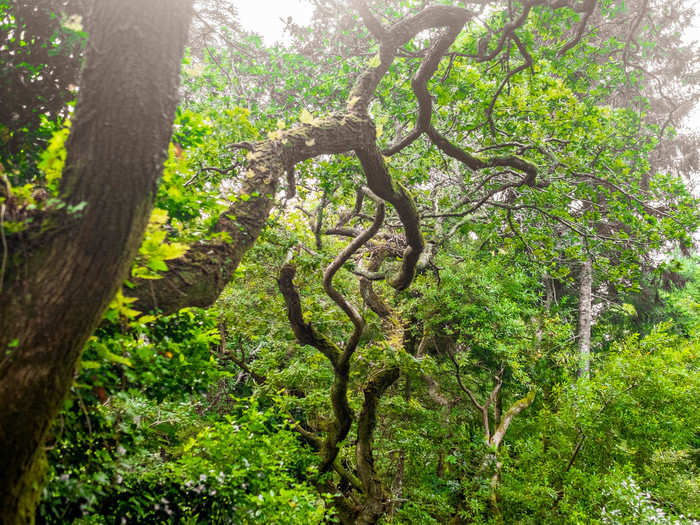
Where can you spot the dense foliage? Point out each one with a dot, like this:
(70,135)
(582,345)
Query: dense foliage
(335,381)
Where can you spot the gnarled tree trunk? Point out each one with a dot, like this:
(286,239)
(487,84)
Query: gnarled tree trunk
(61,276)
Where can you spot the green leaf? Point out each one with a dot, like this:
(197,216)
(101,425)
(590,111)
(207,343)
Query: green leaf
(305,117)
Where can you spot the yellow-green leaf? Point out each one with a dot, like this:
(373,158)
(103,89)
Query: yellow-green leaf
(305,117)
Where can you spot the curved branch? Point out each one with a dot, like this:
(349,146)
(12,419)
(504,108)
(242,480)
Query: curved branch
(589,7)
(398,35)
(340,359)
(305,333)
(374,26)
(197,278)
(332,269)
(381,183)
(370,297)
(477,163)
(506,34)
(419,82)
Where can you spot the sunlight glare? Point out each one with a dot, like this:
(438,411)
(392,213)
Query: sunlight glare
(265,17)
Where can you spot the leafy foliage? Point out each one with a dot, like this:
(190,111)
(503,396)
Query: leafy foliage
(227,414)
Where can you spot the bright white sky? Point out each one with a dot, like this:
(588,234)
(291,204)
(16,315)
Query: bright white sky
(263,16)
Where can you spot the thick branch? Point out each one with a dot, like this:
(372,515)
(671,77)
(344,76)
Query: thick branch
(381,183)
(424,73)
(305,333)
(198,278)
(390,40)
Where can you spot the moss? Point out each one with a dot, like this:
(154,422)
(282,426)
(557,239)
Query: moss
(408,195)
(22,511)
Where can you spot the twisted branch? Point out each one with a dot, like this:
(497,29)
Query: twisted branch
(339,358)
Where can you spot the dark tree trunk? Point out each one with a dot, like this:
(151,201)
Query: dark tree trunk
(375,501)
(61,277)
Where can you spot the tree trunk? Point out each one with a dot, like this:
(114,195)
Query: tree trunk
(61,276)
(585,317)
(495,442)
(375,503)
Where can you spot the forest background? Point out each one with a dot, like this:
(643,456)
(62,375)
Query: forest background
(428,262)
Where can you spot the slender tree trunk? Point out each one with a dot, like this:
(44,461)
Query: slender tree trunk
(494,443)
(397,486)
(61,276)
(585,317)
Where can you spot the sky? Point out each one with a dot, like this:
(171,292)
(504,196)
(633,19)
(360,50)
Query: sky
(263,16)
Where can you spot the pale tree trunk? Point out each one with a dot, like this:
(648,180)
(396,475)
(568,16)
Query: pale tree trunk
(585,317)
(61,276)
(495,440)
(501,422)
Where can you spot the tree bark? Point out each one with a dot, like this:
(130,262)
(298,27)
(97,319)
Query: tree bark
(375,500)
(60,277)
(585,317)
